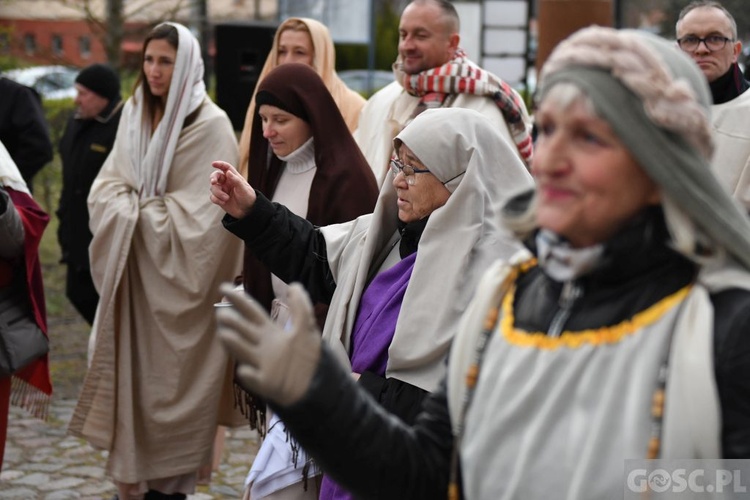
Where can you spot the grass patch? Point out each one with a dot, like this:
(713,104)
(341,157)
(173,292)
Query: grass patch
(68,331)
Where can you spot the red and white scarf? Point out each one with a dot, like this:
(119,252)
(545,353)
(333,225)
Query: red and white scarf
(462,76)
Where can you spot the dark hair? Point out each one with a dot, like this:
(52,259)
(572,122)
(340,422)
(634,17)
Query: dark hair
(452,21)
(161,32)
(697,4)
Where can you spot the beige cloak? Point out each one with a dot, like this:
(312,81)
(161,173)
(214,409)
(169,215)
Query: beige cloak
(152,391)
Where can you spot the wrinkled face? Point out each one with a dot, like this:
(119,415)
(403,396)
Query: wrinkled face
(705,21)
(424,38)
(158,66)
(284,131)
(295,47)
(89,104)
(588,184)
(417,201)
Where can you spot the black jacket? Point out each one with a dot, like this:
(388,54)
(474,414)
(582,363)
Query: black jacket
(23,128)
(83,148)
(294,250)
(376,456)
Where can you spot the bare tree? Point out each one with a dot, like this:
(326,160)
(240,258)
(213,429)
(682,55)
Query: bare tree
(112,21)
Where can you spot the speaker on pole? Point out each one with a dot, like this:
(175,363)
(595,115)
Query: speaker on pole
(241,51)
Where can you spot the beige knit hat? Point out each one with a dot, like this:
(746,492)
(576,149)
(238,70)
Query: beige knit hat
(658,103)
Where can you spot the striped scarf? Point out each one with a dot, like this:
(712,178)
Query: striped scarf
(462,76)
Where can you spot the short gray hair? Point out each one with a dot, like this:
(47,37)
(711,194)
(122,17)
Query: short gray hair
(452,21)
(713,4)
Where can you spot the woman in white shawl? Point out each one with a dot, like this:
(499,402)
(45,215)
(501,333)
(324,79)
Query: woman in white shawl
(151,394)
(398,279)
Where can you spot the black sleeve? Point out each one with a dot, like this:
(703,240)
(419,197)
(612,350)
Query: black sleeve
(63,231)
(62,235)
(33,147)
(732,366)
(335,423)
(398,397)
(288,245)
(4,200)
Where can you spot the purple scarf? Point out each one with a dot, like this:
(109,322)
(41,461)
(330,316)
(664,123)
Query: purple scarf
(373,331)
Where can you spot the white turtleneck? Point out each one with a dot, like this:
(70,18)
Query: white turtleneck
(293,190)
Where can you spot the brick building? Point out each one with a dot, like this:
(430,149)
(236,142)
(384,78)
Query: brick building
(50,32)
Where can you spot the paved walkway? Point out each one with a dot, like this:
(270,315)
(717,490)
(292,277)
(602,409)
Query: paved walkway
(42,462)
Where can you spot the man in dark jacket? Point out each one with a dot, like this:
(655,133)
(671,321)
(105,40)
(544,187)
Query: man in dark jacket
(87,141)
(23,128)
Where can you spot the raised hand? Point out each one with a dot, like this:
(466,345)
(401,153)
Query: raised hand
(274,363)
(230,190)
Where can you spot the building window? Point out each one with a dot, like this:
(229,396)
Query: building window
(29,43)
(84,47)
(57,45)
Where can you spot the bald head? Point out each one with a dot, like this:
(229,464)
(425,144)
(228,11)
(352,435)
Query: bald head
(428,35)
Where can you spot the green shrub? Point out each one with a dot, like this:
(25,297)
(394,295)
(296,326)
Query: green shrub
(47,186)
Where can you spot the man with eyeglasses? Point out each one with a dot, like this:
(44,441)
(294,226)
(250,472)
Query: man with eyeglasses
(708,33)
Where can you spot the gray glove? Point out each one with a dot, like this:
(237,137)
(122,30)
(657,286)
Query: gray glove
(273,363)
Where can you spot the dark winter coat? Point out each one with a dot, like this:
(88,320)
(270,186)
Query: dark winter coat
(83,149)
(23,128)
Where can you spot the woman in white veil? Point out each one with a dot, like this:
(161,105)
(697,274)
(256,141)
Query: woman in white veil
(151,395)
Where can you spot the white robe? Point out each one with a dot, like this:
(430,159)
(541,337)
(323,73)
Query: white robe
(151,395)
(731,162)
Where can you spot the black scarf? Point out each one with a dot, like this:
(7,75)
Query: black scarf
(728,86)
(410,235)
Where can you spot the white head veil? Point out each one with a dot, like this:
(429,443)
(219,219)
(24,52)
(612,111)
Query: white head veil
(459,242)
(9,174)
(152,153)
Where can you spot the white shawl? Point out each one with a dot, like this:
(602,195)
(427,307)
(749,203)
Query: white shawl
(153,151)
(460,240)
(9,174)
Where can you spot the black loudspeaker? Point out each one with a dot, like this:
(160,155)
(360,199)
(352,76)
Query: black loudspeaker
(241,51)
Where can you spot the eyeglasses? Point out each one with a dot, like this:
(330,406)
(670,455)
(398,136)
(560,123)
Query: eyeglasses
(713,43)
(409,171)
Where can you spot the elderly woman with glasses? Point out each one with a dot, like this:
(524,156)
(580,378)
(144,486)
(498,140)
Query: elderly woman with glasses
(398,279)
(621,332)
(303,156)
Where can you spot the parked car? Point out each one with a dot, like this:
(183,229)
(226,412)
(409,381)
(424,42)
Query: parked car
(52,82)
(356,79)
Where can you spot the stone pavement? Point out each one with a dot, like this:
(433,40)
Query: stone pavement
(42,462)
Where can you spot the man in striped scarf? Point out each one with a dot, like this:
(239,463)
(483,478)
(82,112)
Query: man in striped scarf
(432,71)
